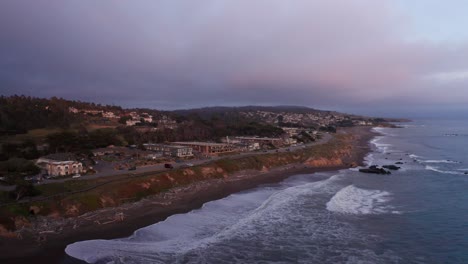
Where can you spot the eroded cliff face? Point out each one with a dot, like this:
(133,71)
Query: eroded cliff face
(323,162)
(331,154)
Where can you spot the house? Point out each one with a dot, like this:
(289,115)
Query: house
(170,150)
(60,164)
(109,115)
(132,122)
(73,110)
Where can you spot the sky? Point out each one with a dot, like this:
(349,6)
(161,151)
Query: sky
(386,57)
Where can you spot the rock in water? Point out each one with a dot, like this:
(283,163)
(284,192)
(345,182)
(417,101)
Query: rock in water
(375,170)
(391,167)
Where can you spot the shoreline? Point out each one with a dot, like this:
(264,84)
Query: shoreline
(181,200)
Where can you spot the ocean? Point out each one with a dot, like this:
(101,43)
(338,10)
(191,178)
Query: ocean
(418,214)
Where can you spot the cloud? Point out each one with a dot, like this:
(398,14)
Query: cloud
(192,53)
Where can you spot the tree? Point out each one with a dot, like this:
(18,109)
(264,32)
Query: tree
(123,119)
(23,189)
(17,168)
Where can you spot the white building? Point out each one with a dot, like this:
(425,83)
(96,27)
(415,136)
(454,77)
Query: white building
(132,122)
(60,165)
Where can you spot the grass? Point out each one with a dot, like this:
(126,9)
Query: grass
(68,186)
(37,135)
(89,201)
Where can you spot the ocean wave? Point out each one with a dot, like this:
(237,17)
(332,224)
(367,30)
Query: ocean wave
(383,131)
(441,161)
(414,156)
(353,200)
(436,169)
(369,159)
(381,147)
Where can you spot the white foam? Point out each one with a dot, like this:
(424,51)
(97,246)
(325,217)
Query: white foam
(383,131)
(414,156)
(382,147)
(353,200)
(441,161)
(369,159)
(436,169)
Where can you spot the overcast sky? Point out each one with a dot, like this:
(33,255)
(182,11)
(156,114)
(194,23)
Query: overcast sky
(366,56)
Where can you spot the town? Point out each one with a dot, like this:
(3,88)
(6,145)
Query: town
(77,140)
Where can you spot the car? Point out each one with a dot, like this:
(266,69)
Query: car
(76,176)
(168,166)
(132,168)
(189,164)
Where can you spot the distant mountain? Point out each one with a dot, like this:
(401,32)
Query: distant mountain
(209,112)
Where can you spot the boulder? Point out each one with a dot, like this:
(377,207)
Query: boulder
(375,170)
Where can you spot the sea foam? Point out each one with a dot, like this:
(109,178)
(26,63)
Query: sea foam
(382,147)
(353,200)
(436,169)
(239,216)
(441,161)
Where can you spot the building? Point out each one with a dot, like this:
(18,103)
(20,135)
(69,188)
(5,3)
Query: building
(132,122)
(60,164)
(109,115)
(262,141)
(73,110)
(147,117)
(207,147)
(241,146)
(170,150)
(292,131)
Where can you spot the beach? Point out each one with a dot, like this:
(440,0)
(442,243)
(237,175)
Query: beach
(124,220)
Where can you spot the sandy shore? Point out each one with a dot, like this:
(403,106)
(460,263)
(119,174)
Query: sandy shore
(150,211)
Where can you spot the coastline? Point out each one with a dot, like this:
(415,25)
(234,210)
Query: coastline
(182,200)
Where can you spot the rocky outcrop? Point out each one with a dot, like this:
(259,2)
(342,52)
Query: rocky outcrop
(375,170)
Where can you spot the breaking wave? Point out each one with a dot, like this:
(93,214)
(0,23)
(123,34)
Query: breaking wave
(436,169)
(441,161)
(382,147)
(353,200)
